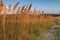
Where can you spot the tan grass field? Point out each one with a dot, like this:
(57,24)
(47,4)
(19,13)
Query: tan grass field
(23,24)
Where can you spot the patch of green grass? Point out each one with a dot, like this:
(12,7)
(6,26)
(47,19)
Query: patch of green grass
(58,33)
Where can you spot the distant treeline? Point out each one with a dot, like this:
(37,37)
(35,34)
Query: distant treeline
(55,15)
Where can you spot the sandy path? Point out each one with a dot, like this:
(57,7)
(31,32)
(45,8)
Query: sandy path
(50,35)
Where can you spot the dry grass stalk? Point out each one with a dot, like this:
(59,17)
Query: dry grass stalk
(18,11)
(29,8)
(16,5)
(9,7)
(22,9)
(26,8)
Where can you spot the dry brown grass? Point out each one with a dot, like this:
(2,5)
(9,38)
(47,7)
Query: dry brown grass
(21,18)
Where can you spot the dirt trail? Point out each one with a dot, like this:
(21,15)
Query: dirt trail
(50,35)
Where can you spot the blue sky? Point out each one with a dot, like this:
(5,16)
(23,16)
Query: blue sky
(50,6)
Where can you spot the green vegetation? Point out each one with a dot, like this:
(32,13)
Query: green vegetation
(57,33)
